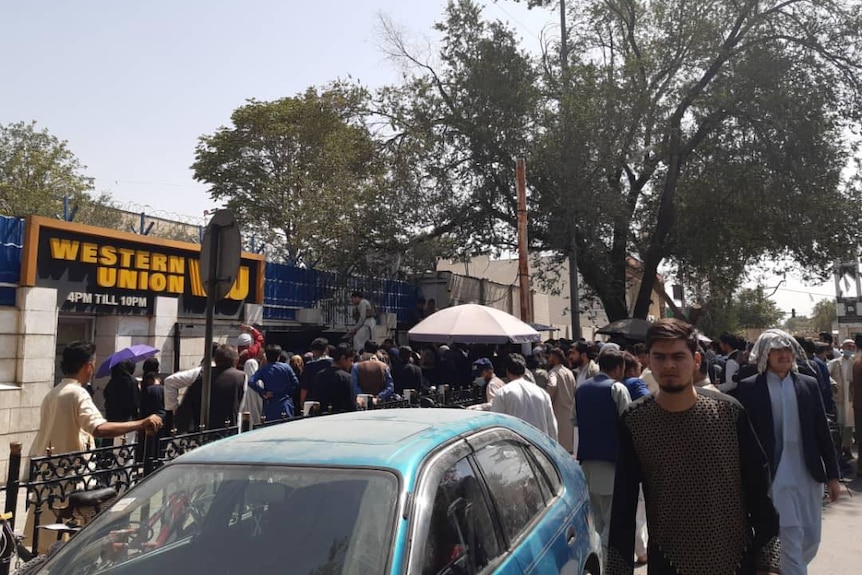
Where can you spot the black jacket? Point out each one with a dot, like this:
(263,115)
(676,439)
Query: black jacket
(122,397)
(819,451)
(334,390)
(153,401)
(226,389)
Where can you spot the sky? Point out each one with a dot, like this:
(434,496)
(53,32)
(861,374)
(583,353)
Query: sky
(132,85)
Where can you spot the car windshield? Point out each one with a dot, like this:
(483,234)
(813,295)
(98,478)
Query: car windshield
(221,519)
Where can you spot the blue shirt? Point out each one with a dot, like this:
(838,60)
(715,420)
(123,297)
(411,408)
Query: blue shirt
(637,387)
(280,380)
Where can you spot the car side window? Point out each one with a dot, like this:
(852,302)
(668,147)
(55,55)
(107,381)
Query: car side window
(513,485)
(461,535)
(549,469)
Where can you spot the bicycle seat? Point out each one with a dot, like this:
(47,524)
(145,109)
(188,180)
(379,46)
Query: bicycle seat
(93,498)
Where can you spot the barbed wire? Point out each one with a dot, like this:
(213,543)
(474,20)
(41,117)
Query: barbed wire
(162,214)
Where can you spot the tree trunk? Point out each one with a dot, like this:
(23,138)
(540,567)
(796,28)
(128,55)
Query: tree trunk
(604,278)
(664,224)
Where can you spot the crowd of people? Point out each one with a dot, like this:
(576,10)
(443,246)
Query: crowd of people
(766,424)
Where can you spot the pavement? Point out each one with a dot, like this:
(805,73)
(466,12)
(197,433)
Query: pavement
(841,543)
(840,550)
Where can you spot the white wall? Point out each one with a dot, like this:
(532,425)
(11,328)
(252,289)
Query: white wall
(27,348)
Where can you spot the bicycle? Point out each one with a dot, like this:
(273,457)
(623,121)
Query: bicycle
(11,545)
(67,515)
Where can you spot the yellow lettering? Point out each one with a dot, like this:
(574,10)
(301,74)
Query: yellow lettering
(89,252)
(176,284)
(239,291)
(106,277)
(159,263)
(126,257)
(142,260)
(176,265)
(142,280)
(108,256)
(158,282)
(64,249)
(127,279)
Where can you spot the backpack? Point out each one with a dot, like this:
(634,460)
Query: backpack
(371,311)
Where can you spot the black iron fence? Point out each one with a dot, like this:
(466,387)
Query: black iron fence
(55,482)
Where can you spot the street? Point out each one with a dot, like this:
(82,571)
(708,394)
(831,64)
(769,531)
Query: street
(841,545)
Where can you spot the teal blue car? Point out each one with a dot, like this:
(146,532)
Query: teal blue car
(417,491)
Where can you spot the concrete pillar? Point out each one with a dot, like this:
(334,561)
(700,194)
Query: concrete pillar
(161,329)
(29,333)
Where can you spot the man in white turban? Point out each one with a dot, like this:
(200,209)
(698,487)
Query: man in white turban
(787,413)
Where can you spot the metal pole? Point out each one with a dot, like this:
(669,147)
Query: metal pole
(523,264)
(13,479)
(574,292)
(564,42)
(208,336)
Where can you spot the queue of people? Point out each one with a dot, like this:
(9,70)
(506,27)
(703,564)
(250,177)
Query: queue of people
(650,424)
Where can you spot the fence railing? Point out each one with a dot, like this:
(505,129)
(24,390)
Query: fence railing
(53,479)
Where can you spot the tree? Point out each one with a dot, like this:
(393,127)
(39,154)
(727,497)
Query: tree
(38,173)
(454,132)
(824,315)
(708,135)
(299,173)
(755,310)
(799,325)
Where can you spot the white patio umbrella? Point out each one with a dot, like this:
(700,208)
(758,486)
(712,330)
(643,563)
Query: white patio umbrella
(472,323)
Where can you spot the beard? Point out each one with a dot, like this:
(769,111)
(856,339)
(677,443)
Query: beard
(674,387)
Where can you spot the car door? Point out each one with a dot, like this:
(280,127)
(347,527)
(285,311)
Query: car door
(453,526)
(536,522)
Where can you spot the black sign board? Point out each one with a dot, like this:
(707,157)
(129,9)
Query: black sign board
(849,310)
(104,271)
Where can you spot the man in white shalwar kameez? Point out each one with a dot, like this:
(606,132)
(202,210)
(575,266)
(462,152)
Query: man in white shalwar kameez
(787,413)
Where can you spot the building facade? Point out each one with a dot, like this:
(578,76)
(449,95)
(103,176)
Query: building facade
(61,281)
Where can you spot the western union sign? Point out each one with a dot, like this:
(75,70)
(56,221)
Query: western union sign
(99,269)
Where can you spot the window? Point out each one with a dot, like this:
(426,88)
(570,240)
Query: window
(512,484)
(196,518)
(549,469)
(461,536)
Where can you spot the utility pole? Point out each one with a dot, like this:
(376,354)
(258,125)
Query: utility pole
(574,293)
(523,263)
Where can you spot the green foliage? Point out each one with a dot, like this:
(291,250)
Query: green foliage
(38,170)
(456,129)
(747,308)
(800,325)
(824,315)
(100,211)
(710,135)
(755,310)
(299,173)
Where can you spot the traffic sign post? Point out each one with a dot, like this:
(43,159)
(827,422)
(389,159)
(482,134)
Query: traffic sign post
(221,251)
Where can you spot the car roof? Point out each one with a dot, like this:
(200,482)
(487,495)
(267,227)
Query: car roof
(397,439)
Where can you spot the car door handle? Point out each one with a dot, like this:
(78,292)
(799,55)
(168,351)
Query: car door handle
(571,535)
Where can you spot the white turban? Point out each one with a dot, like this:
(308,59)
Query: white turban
(770,340)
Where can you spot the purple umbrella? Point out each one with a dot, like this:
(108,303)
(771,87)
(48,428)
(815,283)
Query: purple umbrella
(133,353)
